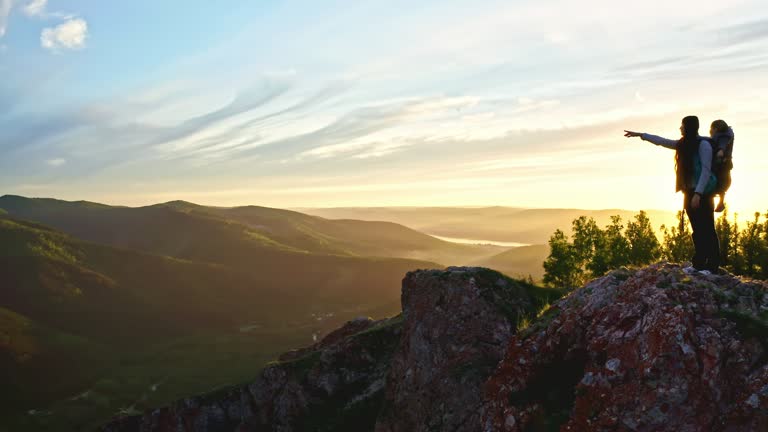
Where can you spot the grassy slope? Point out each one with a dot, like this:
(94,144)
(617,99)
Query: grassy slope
(56,278)
(149,319)
(28,349)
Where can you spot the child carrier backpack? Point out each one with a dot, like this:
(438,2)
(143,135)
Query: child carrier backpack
(722,167)
(713,185)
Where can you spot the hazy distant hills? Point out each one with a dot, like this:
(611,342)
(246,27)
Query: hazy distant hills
(303,269)
(504,224)
(235,235)
(496,224)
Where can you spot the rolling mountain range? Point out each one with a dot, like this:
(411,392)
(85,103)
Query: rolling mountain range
(114,297)
(216,234)
(100,305)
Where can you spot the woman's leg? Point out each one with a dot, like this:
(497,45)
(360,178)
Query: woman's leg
(699,259)
(711,242)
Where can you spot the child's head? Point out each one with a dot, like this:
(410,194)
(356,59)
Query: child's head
(718,126)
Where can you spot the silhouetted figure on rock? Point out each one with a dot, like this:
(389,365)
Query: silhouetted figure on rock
(693,164)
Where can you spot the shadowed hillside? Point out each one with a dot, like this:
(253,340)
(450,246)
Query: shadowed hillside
(133,329)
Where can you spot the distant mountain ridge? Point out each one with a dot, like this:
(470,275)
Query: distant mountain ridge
(180,229)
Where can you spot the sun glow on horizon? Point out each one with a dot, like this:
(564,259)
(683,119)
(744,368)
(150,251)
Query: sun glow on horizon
(515,104)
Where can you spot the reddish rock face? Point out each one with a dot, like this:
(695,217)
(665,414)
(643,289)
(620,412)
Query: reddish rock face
(653,349)
(456,326)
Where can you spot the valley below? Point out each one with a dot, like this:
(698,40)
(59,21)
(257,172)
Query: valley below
(108,310)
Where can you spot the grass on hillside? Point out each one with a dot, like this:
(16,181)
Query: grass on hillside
(130,382)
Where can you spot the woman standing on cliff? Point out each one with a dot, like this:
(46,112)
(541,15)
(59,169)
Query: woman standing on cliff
(693,164)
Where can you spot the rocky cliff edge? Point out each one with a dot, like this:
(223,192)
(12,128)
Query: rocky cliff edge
(635,350)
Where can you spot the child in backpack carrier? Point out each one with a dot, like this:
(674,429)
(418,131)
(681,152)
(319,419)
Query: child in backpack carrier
(722,146)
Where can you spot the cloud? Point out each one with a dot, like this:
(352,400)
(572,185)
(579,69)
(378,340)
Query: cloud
(651,64)
(38,9)
(340,135)
(69,35)
(744,32)
(56,162)
(5,10)
(183,143)
(35,8)
(83,132)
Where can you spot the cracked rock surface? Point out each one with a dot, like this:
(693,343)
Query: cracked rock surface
(653,349)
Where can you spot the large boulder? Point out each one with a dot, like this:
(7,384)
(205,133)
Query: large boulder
(457,323)
(647,350)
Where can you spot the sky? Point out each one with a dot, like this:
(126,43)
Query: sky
(375,103)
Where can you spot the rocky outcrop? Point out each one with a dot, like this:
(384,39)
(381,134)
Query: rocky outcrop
(651,349)
(421,370)
(654,349)
(456,325)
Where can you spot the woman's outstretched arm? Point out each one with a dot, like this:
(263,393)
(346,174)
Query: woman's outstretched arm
(659,141)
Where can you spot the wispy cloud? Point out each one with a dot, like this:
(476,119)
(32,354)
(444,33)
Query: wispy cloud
(66,37)
(69,35)
(56,162)
(35,8)
(743,33)
(654,63)
(343,134)
(514,88)
(244,132)
(5,10)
